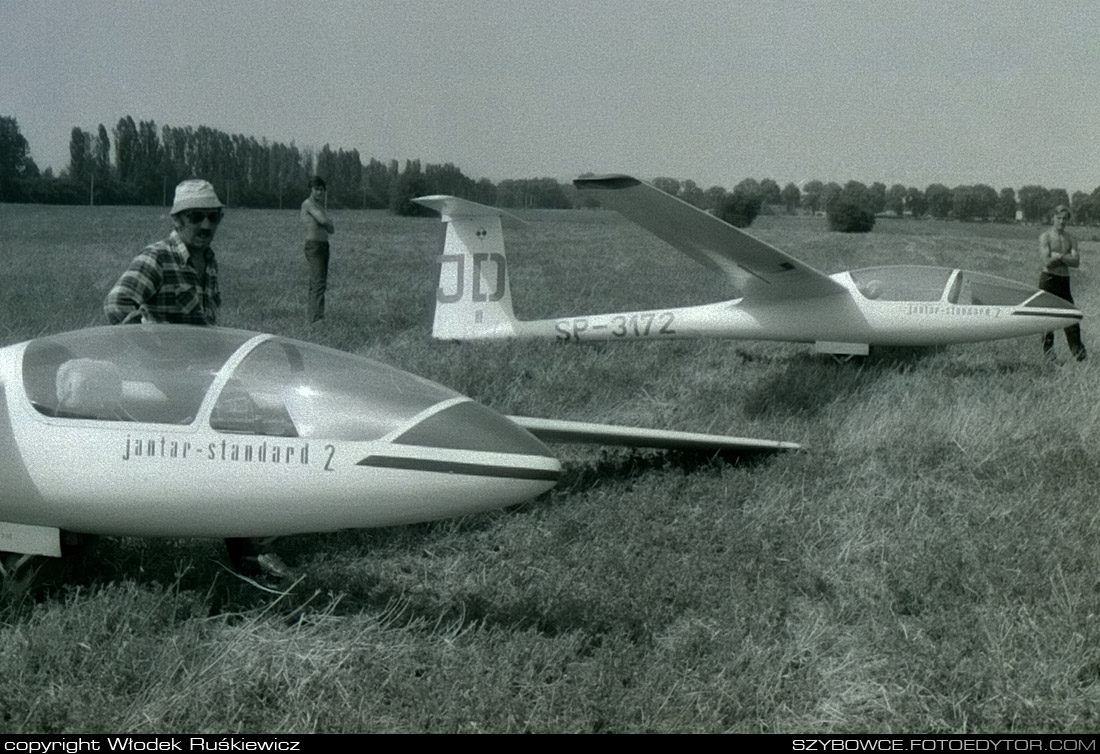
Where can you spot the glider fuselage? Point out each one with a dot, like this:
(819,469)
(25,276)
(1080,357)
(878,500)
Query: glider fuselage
(179,431)
(848,317)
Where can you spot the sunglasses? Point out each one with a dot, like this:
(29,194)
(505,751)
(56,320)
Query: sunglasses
(195,216)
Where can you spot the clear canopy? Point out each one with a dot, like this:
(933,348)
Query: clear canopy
(959,287)
(262,385)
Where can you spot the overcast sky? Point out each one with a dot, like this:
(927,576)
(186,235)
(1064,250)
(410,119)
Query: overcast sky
(897,91)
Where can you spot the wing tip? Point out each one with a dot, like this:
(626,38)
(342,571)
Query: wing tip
(612,181)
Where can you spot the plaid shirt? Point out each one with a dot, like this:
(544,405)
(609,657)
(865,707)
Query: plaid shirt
(162,286)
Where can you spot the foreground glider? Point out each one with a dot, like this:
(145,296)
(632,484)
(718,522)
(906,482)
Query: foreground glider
(782,298)
(178,431)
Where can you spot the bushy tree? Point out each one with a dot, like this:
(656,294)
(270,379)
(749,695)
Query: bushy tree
(545,193)
(895,199)
(1035,202)
(101,156)
(977,202)
(811,196)
(876,197)
(16,164)
(749,187)
(739,208)
(47,189)
(855,193)
(148,179)
(938,198)
(770,192)
(1006,206)
(1084,208)
(126,136)
(792,197)
(80,157)
(410,184)
(1057,196)
(376,179)
(448,179)
(485,191)
(713,197)
(916,202)
(1087,212)
(668,185)
(846,216)
(692,194)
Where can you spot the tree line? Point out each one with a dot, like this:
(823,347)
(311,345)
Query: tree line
(139,162)
(976,203)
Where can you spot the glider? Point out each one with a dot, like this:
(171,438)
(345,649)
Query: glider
(782,298)
(180,431)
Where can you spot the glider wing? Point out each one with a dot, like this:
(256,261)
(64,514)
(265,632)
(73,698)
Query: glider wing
(760,271)
(560,430)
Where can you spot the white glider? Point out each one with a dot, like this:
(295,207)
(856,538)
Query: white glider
(178,431)
(782,298)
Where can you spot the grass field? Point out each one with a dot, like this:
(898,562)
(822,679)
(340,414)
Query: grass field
(928,564)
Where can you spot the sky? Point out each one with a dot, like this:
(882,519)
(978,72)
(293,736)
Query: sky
(897,91)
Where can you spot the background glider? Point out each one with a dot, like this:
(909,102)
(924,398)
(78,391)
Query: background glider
(782,298)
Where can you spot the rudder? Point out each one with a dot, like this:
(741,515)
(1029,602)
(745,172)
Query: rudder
(474,299)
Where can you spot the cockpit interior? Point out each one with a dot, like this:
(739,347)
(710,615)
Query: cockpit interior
(237,382)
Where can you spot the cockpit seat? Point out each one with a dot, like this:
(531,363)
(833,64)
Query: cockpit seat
(89,388)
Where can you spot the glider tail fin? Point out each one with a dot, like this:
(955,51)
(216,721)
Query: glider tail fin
(474,298)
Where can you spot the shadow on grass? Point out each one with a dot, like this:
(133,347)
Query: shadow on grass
(807,383)
(331,582)
(627,465)
(453,612)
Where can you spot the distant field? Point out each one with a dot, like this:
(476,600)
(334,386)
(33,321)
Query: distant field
(928,564)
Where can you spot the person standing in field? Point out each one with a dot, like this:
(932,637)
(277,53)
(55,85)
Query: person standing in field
(175,281)
(318,227)
(1058,253)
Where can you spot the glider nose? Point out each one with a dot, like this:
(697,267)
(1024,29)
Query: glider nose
(464,458)
(468,439)
(470,426)
(1045,304)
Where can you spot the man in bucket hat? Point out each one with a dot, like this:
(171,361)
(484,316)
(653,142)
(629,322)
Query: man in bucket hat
(176,281)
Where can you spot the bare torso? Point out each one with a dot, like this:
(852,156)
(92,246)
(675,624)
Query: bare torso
(317,222)
(1058,251)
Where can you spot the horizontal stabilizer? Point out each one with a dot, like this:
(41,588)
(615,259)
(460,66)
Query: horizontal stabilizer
(759,270)
(452,208)
(559,430)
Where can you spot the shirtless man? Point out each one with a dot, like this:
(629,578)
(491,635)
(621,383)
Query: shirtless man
(1058,253)
(318,227)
